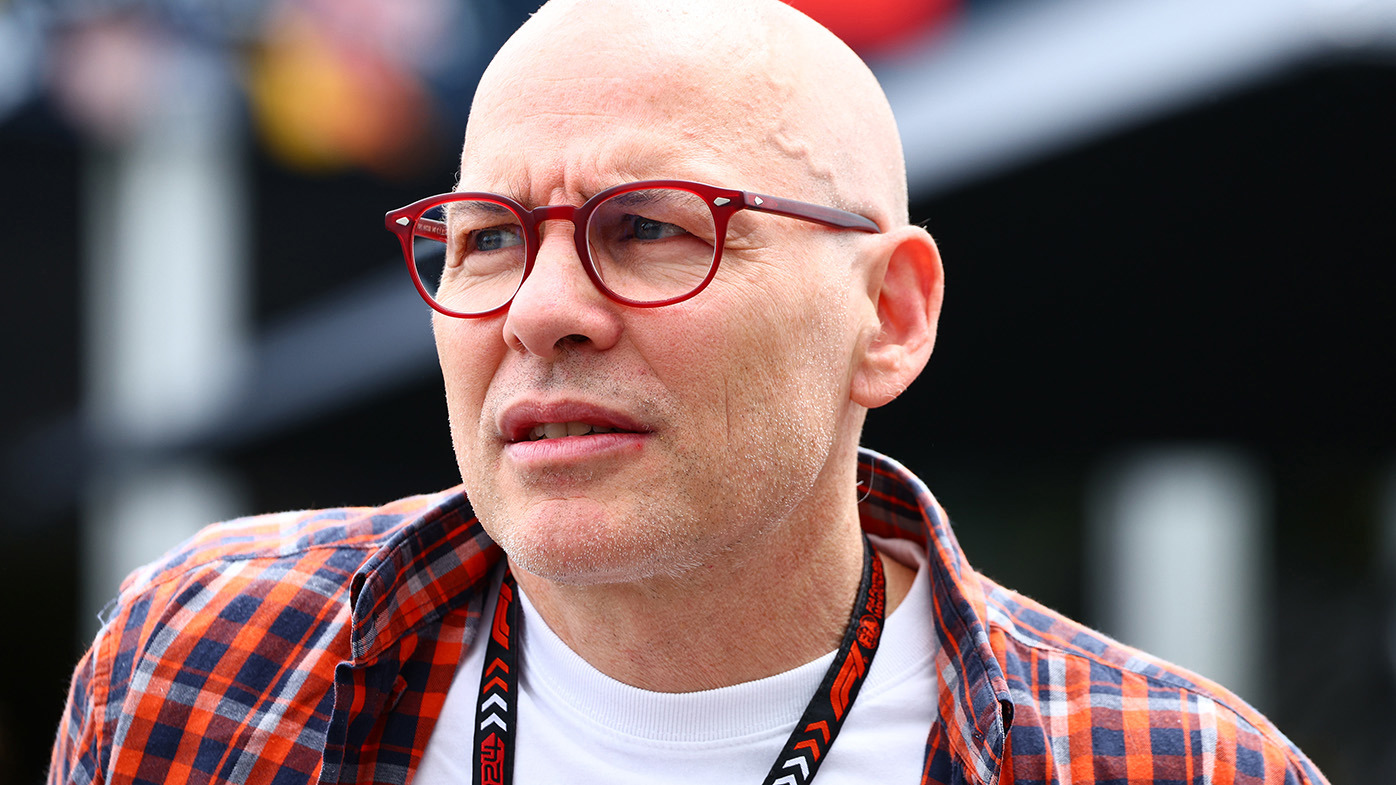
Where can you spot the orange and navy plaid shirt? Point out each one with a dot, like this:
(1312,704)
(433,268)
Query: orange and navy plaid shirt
(319,646)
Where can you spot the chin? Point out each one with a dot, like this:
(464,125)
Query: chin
(586,543)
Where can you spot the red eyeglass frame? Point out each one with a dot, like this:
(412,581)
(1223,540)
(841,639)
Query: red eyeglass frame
(407,222)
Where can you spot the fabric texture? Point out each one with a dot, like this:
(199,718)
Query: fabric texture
(320,646)
(575,724)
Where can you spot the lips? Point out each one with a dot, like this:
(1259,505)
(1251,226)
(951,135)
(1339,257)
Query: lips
(539,421)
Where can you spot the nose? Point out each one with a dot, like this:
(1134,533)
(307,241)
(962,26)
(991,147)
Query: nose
(557,307)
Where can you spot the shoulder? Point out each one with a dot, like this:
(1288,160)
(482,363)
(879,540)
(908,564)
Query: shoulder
(1085,704)
(250,616)
(288,569)
(336,535)
(285,577)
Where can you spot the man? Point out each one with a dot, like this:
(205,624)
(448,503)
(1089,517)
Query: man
(656,412)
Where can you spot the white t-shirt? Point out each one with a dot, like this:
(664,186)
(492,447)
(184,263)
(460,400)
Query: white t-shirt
(575,724)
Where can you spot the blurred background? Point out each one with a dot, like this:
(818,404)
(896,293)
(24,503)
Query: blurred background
(1161,401)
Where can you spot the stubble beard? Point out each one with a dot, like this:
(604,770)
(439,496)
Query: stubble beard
(696,513)
(692,516)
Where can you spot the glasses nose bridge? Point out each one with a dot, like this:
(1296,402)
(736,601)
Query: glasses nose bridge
(559,212)
(554,212)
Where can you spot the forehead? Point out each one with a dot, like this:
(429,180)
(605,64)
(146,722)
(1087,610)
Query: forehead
(536,160)
(613,114)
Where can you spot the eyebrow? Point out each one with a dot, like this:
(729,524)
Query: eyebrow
(475,210)
(647,196)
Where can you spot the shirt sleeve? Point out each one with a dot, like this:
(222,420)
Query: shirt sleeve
(77,750)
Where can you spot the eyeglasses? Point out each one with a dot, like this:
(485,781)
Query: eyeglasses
(644,244)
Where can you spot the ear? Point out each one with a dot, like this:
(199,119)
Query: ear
(905,285)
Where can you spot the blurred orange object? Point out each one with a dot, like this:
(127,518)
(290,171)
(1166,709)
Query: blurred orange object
(320,106)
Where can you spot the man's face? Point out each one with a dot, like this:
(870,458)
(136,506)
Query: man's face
(724,408)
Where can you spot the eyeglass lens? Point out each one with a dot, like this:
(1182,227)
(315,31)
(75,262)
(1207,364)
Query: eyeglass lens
(469,254)
(646,246)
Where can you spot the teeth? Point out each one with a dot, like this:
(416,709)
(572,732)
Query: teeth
(557,430)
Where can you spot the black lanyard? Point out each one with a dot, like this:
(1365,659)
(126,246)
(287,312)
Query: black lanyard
(496,716)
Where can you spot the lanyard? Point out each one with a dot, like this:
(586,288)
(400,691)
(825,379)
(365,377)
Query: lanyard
(496,716)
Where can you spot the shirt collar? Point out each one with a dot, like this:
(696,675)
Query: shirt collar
(434,563)
(975,709)
(441,559)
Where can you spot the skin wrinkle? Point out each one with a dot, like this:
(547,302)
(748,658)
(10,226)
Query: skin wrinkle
(727,407)
(743,496)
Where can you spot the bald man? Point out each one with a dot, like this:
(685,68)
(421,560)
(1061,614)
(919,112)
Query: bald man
(675,274)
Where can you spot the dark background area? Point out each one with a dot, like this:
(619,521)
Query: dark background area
(1222,275)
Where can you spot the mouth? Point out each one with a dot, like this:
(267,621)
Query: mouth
(536,422)
(561,430)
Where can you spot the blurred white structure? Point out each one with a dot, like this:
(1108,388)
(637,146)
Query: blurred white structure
(1387,526)
(1028,78)
(165,224)
(1178,554)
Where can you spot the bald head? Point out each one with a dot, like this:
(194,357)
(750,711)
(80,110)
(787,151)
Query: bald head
(752,86)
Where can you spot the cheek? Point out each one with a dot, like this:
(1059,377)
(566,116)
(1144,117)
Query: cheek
(772,361)
(793,327)
(468,351)
(798,363)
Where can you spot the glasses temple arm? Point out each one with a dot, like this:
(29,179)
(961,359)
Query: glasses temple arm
(804,211)
(426,227)
(418,227)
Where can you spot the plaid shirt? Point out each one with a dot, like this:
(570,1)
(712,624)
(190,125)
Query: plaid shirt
(320,645)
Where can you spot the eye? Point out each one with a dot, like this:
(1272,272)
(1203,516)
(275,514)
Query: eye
(642,228)
(495,238)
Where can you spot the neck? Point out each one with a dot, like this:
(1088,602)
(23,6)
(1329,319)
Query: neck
(764,609)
